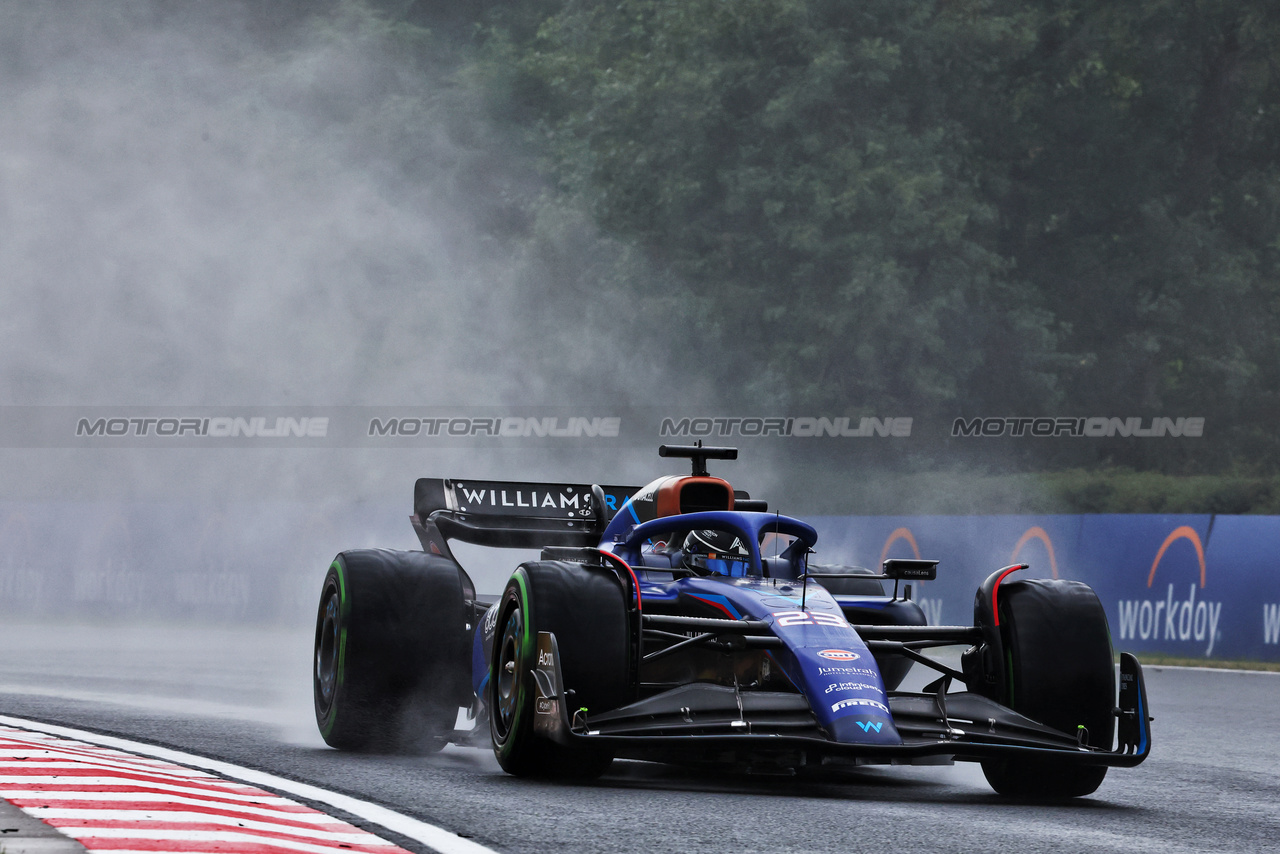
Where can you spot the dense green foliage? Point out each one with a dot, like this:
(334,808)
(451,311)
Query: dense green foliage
(928,207)
(978,207)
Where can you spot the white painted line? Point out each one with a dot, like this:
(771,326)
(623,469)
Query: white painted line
(14,766)
(72,761)
(80,782)
(1146,667)
(85,834)
(62,817)
(284,809)
(436,838)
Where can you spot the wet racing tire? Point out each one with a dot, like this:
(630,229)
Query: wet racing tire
(853,583)
(1060,671)
(390,651)
(586,611)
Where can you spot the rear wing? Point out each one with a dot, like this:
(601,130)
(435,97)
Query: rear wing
(512,514)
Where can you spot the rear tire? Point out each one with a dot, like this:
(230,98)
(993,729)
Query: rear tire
(1060,671)
(855,582)
(586,611)
(390,651)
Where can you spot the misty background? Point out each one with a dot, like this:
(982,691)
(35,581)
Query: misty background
(213,204)
(917,209)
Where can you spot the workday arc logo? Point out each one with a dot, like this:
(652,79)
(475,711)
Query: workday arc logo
(1171,619)
(1185,532)
(900,534)
(1036,533)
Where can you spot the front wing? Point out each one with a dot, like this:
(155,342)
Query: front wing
(698,719)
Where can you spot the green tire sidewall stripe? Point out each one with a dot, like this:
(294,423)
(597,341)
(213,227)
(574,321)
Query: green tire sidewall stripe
(344,614)
(1007,641)
(1009,663)
(526,655)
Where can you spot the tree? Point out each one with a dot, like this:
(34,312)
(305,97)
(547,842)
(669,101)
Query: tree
(799,166)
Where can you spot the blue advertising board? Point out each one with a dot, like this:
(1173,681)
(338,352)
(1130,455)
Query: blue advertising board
(1195,586)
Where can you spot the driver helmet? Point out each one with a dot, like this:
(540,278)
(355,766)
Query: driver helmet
(716,552)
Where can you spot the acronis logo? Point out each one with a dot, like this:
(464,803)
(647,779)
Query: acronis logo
(868,726)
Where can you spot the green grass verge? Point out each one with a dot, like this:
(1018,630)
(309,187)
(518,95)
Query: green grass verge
(1155,660)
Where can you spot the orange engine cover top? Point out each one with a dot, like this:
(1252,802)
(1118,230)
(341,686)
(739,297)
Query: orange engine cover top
(673,495)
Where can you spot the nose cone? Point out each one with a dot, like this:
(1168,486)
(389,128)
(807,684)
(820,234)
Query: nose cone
(866,725)
(823,655)
(851,705)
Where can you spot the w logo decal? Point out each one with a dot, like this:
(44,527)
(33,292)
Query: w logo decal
(867,726)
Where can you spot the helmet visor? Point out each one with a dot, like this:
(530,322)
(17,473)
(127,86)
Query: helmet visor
(720,566)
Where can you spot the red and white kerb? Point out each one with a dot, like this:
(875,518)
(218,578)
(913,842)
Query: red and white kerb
(109,800)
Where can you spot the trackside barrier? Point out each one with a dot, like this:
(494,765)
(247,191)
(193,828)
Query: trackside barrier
(1193,586)
(1185,585)
(243,562)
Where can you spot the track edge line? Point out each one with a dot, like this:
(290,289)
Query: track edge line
(435,838)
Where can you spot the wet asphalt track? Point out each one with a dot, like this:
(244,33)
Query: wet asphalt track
(1212,783)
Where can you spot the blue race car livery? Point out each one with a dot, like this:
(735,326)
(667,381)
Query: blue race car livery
(682,622)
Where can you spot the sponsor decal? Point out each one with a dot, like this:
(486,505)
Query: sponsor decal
(785,619)
(1271,623)
(259,427)
(490,620)
(847,671)
(839,655)
(1167,619)
(858,702)
(505,427)
(1093,428)
(850,686)
(546,706)
(545,658)
(1182,620)
(786,426)
(868,726)
(476,500)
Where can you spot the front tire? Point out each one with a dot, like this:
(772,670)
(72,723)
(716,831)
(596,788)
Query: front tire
(1060,671)
(390,651)
(587,613)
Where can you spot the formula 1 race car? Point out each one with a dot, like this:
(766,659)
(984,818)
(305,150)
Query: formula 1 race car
(682,622)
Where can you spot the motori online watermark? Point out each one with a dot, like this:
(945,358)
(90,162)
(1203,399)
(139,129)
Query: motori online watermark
(785,426)
(509,427)
(217,427)
(1076,426)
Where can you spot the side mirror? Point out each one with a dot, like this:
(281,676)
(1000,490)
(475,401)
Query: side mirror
(916,570)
